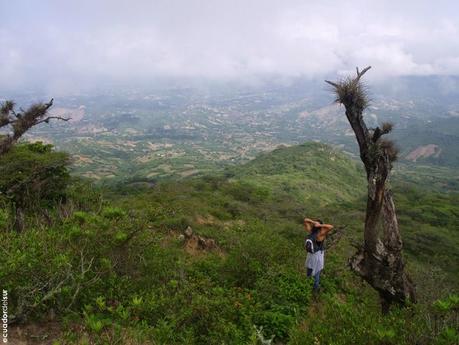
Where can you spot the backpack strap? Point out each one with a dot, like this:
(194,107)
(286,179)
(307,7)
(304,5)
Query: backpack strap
(310,245)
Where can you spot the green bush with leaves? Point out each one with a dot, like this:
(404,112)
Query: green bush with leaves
(4,219)
(63,267)
(34,174)
(32,177)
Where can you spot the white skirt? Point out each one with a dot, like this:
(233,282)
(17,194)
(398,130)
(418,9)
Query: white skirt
(315,262)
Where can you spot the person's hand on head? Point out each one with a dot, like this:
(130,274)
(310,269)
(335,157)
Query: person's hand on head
(308,224)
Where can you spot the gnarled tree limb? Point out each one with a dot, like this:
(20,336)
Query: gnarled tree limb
(21,122)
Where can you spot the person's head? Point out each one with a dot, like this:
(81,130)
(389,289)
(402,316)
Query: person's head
(316,228)
(310,226)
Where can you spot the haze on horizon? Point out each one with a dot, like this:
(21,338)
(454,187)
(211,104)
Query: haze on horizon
(62,45)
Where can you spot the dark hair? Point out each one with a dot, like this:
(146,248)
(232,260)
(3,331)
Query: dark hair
(316,228)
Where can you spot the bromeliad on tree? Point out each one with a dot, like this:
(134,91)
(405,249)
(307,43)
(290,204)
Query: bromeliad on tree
(379,261)
(21,122)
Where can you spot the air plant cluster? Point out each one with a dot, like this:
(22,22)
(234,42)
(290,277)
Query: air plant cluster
(353,94)
(20,122)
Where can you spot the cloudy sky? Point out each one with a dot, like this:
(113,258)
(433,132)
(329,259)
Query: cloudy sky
(65,43)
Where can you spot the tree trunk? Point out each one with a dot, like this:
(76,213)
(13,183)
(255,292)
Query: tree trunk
(19,224)
(379,261)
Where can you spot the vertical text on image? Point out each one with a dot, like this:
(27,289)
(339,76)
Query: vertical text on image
(5,316)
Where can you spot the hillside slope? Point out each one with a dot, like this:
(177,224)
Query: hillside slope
(312,171)
(209,260)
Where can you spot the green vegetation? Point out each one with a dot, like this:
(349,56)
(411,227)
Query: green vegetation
(32,177)
(33,173)
(111,265)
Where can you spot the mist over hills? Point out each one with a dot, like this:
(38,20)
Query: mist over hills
(187,129)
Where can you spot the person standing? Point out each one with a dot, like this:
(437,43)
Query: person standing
(314,243)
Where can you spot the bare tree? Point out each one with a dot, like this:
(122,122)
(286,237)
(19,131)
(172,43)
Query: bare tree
(379,261)
(22,121)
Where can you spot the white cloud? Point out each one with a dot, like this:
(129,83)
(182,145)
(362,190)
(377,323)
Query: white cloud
(86,42)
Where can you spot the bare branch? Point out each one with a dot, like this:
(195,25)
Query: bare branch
(53,117)
(23,121)
(50,103)
(332,83)
(360,74)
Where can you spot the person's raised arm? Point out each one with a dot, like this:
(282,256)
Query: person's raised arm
(325,228)
(308,224)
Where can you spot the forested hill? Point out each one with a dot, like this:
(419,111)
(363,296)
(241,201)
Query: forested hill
(311,171)
(219,259)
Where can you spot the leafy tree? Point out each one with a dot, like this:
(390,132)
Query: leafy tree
(32,176)
(380,260)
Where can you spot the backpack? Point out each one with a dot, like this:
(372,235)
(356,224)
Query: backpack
(310,243)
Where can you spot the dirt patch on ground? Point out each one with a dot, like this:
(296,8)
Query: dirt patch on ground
(80,159)
(230,223)
(193,244)
(205,220)
(34,334)
(196,245)
(424,152)
(211,220)
(187,173)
